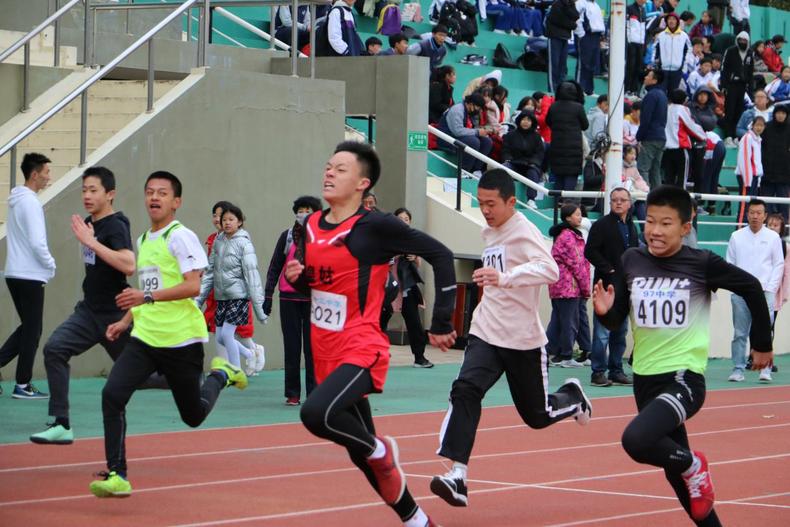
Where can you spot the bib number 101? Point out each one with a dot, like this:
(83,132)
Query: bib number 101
(662,312)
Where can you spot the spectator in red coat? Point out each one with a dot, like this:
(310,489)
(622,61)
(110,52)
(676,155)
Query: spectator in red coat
(772,52)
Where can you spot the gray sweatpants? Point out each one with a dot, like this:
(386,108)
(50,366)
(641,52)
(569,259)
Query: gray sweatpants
(84,329)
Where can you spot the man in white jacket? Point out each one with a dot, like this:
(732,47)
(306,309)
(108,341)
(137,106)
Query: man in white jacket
(28,267)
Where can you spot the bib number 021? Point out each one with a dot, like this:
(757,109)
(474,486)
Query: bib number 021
(328,310)
(661,309)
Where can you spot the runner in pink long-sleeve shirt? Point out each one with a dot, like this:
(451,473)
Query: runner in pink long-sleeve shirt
(506,336)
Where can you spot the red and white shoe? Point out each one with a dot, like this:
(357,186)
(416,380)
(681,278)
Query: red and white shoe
(700,487)
(389,476)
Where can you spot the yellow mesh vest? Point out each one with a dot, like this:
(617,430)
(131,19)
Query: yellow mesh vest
(164,324)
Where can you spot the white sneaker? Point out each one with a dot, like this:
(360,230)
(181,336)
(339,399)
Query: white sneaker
(570,363)
(260,355)
(477,174)
(532,205)
(765,375)
(500,32)
(730,143)
(736,376)
(249,368)
(524,33)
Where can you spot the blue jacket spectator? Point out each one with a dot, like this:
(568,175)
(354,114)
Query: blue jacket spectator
(653,120)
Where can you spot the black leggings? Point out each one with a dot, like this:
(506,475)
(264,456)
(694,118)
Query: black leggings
(338,410)
(657,435)
(181,366)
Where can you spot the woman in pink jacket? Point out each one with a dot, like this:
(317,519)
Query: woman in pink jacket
(572,287)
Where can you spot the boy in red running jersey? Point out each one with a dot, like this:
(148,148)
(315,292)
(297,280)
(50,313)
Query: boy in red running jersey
(343,256)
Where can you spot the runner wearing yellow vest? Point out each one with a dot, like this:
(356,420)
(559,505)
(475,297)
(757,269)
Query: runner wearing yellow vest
(168,333)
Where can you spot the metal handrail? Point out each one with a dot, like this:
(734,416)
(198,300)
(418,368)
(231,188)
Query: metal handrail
(254,30)
(581,193)
(38,29)
(81,90)
(24,42)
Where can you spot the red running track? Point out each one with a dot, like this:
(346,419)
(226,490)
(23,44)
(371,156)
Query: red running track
(280,475)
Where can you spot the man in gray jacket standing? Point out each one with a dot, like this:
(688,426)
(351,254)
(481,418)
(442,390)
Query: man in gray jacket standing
(28,267)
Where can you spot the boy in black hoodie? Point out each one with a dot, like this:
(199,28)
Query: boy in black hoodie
(523,150)
(106,246)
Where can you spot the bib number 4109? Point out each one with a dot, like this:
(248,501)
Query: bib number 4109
(661,309)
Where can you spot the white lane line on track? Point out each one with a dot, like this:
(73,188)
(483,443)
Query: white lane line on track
(399,437)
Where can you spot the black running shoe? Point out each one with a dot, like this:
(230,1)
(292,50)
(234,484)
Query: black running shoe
(451,488)
(599,379)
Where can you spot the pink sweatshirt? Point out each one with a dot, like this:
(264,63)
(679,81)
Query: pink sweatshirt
(507,315)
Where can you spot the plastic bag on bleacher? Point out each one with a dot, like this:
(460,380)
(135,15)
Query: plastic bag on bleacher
(412,12)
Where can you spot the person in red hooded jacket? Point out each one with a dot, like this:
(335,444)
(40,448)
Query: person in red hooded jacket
(771,54)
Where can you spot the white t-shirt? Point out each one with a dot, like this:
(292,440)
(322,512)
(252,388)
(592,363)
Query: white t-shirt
(184,245)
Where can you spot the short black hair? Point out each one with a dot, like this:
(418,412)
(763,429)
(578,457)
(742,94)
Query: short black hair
(441,73)
(673,197)
(678,96)
(222,205)
(397,37)
(755,202)
(523,102)
(703,60)
(476,99)
(174,181)
(236,211)
(401,210)
(636,106)
(687,15)
(657,74)
(439,28)
(33,162)
(501,90)
(105,175)
(498,179)
(366,156)
(628,148)
(716,56)
(697,40)
(310,202)
(602,98)
(373,41)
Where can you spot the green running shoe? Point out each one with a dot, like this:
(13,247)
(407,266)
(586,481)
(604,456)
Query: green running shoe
(236,376)
(112,486)
(55,434)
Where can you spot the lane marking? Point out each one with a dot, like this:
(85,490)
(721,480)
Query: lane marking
(399,437)
(423,412)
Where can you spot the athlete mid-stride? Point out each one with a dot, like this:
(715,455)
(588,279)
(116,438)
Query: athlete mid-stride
(343,258)
(668,296)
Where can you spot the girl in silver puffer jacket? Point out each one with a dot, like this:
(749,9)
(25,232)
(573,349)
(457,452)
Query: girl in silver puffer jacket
(233,275)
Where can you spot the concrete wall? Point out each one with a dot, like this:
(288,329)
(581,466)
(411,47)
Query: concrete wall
(257,140)
(11,82)
(399,106)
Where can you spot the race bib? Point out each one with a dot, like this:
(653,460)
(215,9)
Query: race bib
(328,310)
(88,255)
(660,308)
(495,257)
(150,279)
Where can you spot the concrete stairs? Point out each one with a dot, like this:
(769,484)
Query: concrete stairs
(42,49)
(112,104)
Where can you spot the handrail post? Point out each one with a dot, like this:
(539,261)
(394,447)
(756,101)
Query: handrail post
(312,41)
(189,25)
(206,29)
(12,164)
(200,38)
(459,159)
(83,127)
(294,35)
(56,38)
(26,79)
(87,49)
(128,13)
(370,128)
(556,205)
(150,106)
(272,29)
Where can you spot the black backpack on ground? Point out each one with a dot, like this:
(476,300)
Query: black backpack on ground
(502,58)
(460,27)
